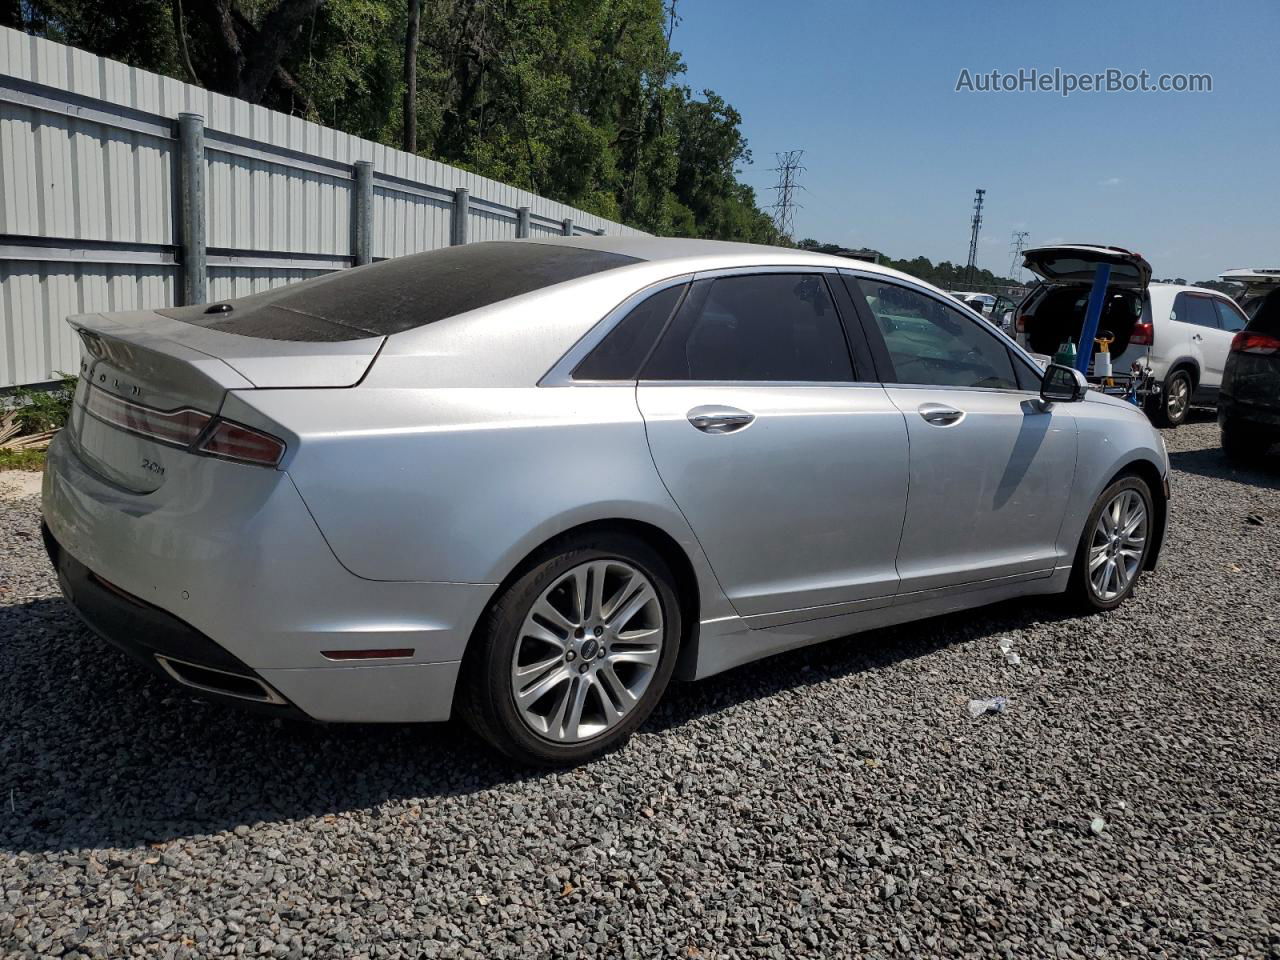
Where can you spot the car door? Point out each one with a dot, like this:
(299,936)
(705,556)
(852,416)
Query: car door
(789,464)
(991,466)
(1198,319)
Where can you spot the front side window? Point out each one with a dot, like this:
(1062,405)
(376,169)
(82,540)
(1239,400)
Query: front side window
(930,343)
(762,327)
(1229,318)
(1189,308)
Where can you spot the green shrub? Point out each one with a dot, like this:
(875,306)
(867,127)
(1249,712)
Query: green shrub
(39,410)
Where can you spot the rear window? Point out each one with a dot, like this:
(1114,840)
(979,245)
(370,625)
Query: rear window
(1266,317)
(400,294)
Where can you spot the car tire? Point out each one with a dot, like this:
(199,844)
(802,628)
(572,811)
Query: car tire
(1174,403)
(1240,444)
(536,635)
(1091,588)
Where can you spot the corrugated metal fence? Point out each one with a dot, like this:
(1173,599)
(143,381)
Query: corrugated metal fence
(91,199)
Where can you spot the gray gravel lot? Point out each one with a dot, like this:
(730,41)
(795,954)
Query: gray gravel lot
(834,801)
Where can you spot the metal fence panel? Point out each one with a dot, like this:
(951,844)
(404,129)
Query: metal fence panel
(89,198)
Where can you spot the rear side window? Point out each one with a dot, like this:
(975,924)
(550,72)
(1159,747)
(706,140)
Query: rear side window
(765,327)
(931,344)
(400,294)
(1189,308)
(1229,318)
(619,355)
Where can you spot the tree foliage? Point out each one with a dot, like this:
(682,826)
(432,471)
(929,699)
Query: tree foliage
(944,274)
(577,100)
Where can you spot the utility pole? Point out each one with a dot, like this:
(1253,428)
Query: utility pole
(784,208)
(975,226)
(1015,263)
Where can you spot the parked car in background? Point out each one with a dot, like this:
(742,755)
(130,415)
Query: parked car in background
(535,479)
(1179,335)
(996,308)
(1257,282)
(1249,404)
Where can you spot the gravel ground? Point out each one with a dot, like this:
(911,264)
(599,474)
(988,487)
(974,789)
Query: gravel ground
(834,801)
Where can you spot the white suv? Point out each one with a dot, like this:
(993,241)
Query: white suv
(1179,335)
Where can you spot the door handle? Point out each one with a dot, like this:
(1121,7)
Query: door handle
(719,419)
(940,415)
(1196,336)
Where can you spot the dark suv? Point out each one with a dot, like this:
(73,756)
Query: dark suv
(1249,403)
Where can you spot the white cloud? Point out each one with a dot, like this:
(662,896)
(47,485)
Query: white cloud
(1109,182)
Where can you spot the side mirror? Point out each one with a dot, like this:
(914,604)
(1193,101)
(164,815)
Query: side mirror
(1061,384)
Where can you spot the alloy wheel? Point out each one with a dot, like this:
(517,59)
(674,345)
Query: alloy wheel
(1119,541)
(587,651)
(1178,399)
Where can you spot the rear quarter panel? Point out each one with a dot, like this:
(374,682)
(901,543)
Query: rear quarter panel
(460,484)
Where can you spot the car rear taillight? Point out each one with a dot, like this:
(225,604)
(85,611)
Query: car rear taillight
(1246,341)
(190,429)
(1143,335)
(1020,323)
(179,428)
(233,441)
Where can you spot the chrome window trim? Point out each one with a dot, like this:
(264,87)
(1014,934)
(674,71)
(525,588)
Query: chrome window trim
(990,329)
(561,373)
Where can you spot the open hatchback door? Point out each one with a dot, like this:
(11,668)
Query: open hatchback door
(1076,263)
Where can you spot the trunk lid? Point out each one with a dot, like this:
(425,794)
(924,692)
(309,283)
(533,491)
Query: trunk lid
(1076,263)
(179,374)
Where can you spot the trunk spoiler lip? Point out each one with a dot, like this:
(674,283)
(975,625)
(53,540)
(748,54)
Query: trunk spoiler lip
(234,361)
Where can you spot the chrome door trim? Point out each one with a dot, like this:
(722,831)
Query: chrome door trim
(561,373)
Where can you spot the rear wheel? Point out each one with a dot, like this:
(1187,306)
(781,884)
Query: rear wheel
(1175,399)
(574,655)
(1113,547)
(1240,444)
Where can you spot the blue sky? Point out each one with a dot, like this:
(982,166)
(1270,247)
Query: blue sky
(1191,180)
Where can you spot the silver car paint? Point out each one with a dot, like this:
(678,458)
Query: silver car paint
(803,507)
(404,500)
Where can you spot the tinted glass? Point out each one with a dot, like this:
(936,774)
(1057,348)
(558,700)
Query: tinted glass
(780,327)
(1266,317)
(619,355)
(1192,309)
(401,294)
(1229,318)
(930,343)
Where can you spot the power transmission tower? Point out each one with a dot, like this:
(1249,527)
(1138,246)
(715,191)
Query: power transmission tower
(784,208)
(1015,263)
(976,225)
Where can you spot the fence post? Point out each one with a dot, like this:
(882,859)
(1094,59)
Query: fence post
(191,171)
(461,214)
(362,214)
(522,223)
(568,227)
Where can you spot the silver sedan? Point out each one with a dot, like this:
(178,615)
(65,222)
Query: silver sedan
(532,481)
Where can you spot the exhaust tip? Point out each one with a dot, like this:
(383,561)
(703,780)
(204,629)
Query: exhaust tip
(220,682)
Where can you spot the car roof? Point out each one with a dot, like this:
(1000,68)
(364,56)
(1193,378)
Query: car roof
(696,254)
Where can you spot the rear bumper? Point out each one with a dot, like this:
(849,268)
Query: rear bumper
(231,573)
(158,640)
(1263,416)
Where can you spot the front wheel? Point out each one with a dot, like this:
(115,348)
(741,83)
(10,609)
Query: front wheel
(1113,547)
(574,655)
